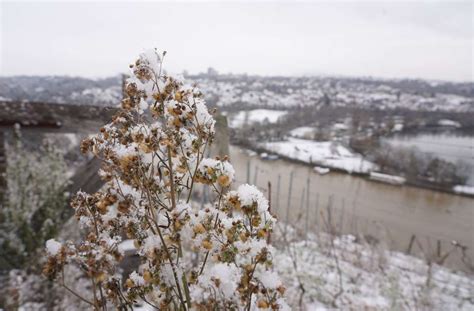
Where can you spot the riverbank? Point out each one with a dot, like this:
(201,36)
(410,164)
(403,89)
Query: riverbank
(452,147)
(342,160)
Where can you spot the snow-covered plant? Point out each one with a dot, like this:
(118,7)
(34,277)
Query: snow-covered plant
(216,258)
(34,201)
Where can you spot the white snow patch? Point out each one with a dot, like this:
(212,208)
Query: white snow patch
(321,170)
(449,123)
(53,247)
(270,279)
(464,189)
(391,179)
(398,127)
(329,154)
(303,132)
(127,246)
(137,279)
(248,194)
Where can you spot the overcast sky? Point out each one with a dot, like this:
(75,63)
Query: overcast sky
(432,40)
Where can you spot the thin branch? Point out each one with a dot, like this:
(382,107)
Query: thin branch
(63,283)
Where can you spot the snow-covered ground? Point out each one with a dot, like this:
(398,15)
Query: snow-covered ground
(337,273)
(326,272)
(320,272)
(329,154)
(255,116)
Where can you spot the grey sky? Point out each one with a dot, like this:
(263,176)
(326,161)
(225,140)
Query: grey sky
(427,39)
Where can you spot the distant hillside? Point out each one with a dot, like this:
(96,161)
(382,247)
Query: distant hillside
(237,92)
(61,89)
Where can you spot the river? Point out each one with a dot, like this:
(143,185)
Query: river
(380,212)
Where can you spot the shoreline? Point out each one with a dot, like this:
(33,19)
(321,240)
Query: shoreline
(365,176)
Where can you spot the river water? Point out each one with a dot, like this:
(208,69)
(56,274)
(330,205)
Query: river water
(380,212)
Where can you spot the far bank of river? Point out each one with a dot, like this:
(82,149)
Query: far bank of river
(449,146)
(457,149)
(389,214)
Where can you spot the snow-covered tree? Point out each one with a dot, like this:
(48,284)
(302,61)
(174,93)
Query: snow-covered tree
(34,201)
(215,258)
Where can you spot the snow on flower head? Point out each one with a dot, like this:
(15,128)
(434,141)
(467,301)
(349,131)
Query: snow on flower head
(213,170)
(125,151)
(137,279)
(53,247)
(249,194)
(251,247)
(152,57)
(150,244)
(203,116)
(270,279)
(250,208)
(148,65)
(221,278)
(145,73)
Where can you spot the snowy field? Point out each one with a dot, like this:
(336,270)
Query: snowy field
(329,154)
(255,116)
